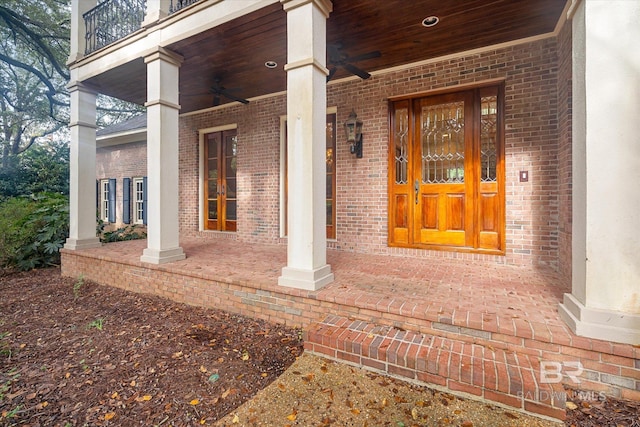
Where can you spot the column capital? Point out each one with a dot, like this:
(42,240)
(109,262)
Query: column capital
(326,6)
(161,53)
(306,62)
(74,86)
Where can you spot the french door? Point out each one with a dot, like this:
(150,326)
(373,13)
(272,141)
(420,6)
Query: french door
(220,184)
(446,171)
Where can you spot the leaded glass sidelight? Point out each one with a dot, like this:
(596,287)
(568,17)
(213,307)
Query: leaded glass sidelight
(402,143)
(443,143)
(488,138)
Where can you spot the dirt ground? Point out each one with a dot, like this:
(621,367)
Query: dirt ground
(74,353)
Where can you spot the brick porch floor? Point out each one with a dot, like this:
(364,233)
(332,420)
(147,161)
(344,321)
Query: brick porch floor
(474,328)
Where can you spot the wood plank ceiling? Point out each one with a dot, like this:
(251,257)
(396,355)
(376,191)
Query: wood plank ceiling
(235,53)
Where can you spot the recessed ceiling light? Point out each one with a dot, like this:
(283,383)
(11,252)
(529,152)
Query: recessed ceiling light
(430,21)
(271,64)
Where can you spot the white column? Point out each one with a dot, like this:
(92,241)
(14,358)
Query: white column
(307,266)
(82,169)
(156,10)
(605,299)
(163,243)
(78,30)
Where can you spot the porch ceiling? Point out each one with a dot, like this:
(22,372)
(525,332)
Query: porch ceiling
(236,52)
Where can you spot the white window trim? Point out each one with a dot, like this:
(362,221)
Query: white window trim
(104,200)
(135,201)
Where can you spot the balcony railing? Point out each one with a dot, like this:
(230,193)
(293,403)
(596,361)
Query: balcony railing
(176,5)
(112,20)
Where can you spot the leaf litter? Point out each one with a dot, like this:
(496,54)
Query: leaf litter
(157,362)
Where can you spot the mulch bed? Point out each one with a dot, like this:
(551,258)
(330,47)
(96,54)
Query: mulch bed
(76,353)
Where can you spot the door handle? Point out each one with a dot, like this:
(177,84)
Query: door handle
(222,189)
(416,187)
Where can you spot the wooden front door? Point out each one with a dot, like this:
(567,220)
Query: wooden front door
(446,168)
(220,149)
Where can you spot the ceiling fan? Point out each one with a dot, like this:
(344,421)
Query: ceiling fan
(336,58)
(219,91)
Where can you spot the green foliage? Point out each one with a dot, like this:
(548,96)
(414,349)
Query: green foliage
(97,323)
(33,230)
(42,168)
(129,232)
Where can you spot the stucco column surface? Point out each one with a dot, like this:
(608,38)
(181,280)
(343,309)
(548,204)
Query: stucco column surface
(605,299)
(156,10)
(82,169)
(163,243)
(78,29)
(306,120)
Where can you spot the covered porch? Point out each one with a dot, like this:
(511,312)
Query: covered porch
(479,329)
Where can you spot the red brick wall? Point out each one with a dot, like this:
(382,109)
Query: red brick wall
(121,161)
(536,223)
(564,151)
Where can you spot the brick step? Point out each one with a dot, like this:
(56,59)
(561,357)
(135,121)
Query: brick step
(474,368)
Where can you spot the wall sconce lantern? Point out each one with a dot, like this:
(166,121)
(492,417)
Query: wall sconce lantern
(353,129)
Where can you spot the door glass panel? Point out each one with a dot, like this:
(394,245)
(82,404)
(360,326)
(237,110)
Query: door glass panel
(213,209)
(401,135)
(213,193)
(231,188)
(443,143)
(231,210)
(488,138)
(329,212)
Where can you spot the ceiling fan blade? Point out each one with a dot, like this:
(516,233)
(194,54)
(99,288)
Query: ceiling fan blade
(332,72)
(357,71)
(234,98)
(370,55)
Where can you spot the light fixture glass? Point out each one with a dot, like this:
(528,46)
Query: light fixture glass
(430,21)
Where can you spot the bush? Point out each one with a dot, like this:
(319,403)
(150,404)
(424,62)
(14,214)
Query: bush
(32,230)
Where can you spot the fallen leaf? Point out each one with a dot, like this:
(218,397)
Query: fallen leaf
(570,405)
(235,419)
(245,355)
(292,416)
(109,416)
(414,413)
(264,375)
(194,402)
(146,397)
(132,383)
(23,345)
(355,411)
(226,393)
(203,369)
(467,424)
(203,421)
(114,395)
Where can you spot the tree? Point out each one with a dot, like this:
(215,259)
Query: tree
(34,42)
(34,102)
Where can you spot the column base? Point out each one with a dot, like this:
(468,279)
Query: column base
(600,324)
(78,244)
(310,280)
(154,256)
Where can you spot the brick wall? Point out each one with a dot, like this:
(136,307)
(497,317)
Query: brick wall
(121,161)
(536,140)
(564,151)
